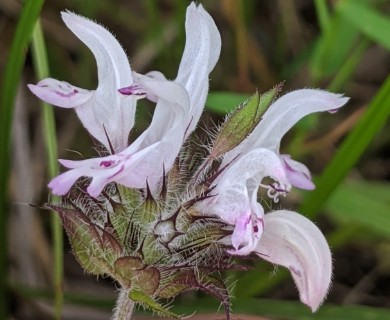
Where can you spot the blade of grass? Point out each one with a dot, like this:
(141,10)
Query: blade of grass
(369,21)
(12,72)
(49,130)
(349,67)
(322,14)
(350,151)
(332,48)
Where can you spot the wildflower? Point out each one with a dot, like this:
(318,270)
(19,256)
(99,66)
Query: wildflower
(278,119)
(236,196)
(281,237)
(179,105)
(106,114)
(157,217)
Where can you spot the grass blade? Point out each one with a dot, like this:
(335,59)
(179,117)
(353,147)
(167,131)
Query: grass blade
(42,70)
(332,48)
(12,72)
(322,14)
(367,20)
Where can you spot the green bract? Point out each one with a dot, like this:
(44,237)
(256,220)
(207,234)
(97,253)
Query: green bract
(242,121)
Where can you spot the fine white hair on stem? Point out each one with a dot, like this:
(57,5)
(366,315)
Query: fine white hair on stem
(124,306)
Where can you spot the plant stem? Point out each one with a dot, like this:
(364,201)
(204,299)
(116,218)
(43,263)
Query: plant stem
(124,306)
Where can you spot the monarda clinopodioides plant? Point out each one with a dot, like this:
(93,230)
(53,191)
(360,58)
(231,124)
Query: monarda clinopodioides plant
(165,215)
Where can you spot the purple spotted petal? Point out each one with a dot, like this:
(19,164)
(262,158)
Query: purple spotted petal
(248,229)
(60,93)
(105,113)
(102,170)
(146,158)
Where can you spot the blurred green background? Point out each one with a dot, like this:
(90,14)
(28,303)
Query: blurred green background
(340,45)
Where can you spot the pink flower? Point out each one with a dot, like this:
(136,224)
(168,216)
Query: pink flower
(179,105)
(235,199)
(284,113)
(104,112)
(144,160)
(281,237)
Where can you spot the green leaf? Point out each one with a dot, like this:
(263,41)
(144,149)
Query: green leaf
(364,203)
(223,102)
(41,67)
(333,47)
(147,301)
(322,14)
(124,207)
(367,20)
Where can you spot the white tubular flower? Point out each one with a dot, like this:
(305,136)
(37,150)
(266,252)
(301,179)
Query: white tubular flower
(280,117)
(105,113)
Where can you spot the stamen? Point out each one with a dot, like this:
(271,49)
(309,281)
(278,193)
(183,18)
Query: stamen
(275,190)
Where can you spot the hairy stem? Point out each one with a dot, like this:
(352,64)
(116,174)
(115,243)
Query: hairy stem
(124,306)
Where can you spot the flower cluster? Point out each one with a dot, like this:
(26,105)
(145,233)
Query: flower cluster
(154,214)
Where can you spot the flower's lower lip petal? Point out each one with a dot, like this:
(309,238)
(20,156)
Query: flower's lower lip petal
(60,93)
(293,241)
(61,184)
(97,185)
(297,173)
(300,181)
